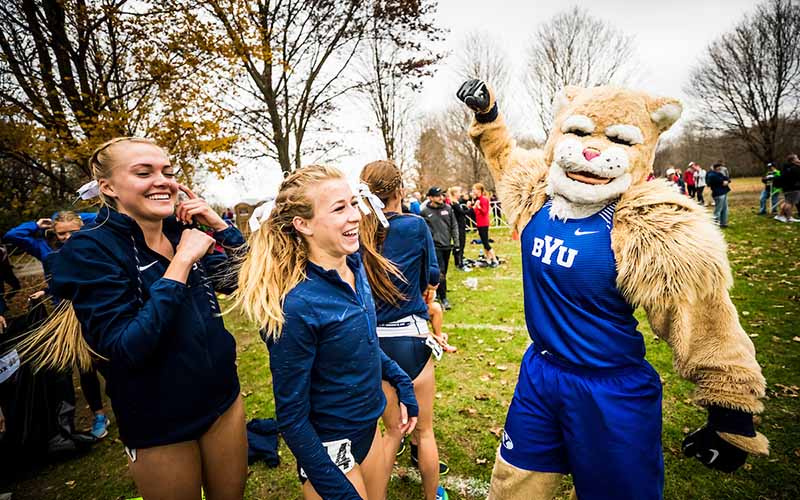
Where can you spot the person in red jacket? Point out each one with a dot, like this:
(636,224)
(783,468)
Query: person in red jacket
(688,179)
(481,207)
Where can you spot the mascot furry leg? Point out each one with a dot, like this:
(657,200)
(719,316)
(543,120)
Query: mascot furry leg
(598,241)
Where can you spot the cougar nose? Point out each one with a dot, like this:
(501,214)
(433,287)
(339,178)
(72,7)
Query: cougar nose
(590,153)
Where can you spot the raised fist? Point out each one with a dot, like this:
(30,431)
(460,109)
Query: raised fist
(705,445)
(476,95)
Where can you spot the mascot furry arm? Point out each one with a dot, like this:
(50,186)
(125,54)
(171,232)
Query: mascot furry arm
(671,259)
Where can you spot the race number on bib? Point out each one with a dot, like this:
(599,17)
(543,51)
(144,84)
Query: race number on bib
(341,454)
(435,347)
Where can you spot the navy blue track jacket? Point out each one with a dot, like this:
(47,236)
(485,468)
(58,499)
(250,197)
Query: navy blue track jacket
(409,245)
(171,368)
(327,367)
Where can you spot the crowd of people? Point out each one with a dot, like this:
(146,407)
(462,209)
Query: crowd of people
(780,194)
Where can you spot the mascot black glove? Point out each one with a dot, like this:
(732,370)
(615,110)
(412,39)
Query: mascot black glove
(713,451)
(475,94)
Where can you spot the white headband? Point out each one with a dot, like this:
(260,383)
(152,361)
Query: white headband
(89,190)
(260,215)
(374,201)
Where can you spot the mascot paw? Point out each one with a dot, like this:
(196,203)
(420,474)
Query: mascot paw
(478,97)
(713,451)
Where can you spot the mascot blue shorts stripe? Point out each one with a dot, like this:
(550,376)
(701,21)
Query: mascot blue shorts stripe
(601,426)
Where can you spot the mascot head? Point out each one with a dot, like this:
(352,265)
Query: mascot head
(603,140)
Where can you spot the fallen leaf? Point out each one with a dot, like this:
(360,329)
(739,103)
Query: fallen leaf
(480,461)
(753,335)
(481,397)
(468,411)
(497,431)
(686,430)
(71,484)
(796,339)
(502,368)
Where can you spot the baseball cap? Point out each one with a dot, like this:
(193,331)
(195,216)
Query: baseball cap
(435,191)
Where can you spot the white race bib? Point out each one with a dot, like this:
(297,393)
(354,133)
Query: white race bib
(435,347)
(9,364)
(341,454)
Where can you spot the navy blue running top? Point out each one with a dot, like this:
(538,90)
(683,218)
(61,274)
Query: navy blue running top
(171,369)
(573,308)
(409,245)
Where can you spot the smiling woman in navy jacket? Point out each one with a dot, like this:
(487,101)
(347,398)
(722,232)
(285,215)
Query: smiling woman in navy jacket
(140,287)
(303,280)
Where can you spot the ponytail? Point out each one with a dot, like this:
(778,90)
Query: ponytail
(384,180)
(274,265)
(378,268)
(58,344)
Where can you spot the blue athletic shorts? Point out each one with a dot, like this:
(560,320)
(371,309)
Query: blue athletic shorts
(409,352)
(601,426)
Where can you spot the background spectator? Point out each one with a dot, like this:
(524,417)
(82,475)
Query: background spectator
(720,186)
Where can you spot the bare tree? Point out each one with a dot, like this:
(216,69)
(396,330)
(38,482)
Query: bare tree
(575,48)
(394,65)
(289,59)
(748,82)
(478,55)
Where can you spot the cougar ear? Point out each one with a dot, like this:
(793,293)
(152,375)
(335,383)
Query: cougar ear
(665,111)
(564,97)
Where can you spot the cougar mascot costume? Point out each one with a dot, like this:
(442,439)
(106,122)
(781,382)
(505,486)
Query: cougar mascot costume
(597,242)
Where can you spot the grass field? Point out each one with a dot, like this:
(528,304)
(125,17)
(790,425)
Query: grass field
(475,385)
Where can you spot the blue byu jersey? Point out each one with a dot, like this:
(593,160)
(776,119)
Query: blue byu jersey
(573,308)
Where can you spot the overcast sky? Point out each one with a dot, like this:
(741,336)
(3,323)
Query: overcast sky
(669,36)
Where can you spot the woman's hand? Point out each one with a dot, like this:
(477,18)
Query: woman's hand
(198,209)
(194,245)
(3,324)
(407,424)
(44,223)
(36,295)
(429,294)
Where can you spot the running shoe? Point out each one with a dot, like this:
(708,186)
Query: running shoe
(781,218)
(443,467)
(446,304)
(792,219)
(441,493)
(100,426)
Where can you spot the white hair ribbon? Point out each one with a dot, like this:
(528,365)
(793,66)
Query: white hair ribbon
(260,215)
(89,190)
(375,202)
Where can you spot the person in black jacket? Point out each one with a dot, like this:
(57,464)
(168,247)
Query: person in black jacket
(138,294)
(459,209)
(442,221)
(789,181)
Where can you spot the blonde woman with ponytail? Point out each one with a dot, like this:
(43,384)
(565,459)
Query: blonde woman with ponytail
(403,314)
(139,301)
(304,282)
